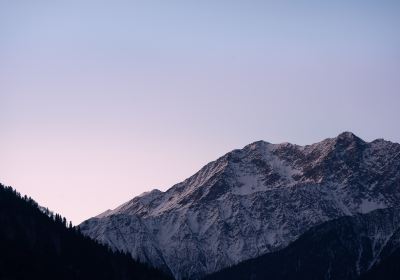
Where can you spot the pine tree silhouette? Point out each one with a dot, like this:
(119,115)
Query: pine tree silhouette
(37,244)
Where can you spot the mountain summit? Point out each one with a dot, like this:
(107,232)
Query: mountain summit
(252,201)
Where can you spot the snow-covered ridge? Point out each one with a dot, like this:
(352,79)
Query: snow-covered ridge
(252,201)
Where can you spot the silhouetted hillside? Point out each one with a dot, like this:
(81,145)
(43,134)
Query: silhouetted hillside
(388,267)
(35,244)
(341,249)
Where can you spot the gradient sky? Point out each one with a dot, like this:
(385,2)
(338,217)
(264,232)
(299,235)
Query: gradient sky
(103,100)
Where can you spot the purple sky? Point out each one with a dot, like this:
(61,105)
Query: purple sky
(103,100)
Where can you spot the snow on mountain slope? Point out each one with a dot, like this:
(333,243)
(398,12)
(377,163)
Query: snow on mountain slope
(252,201)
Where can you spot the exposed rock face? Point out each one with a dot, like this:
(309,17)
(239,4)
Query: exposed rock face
(252,201)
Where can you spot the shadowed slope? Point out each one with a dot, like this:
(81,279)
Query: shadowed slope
(341,249)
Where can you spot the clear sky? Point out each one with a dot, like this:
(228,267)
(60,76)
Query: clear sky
(103,100)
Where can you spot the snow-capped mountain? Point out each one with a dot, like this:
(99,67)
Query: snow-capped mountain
(252,201)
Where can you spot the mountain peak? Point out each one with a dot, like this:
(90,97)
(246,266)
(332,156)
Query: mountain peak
(348,141)
(349,136)
(256,145)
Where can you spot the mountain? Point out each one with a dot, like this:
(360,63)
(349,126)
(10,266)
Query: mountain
(36,244)
(251,202)
(342,249)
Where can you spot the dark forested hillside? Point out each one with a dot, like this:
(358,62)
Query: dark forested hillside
(35,244)
(388,266)
(341,249)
